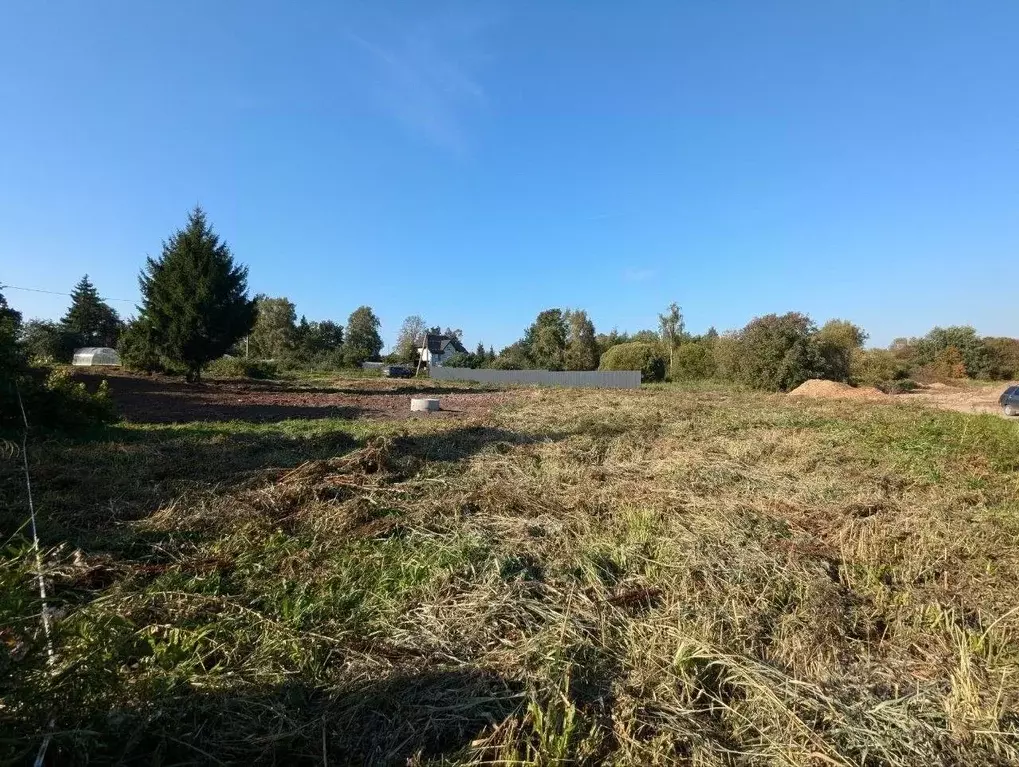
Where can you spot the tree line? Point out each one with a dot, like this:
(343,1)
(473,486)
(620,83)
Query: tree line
(776,352)
(195,310)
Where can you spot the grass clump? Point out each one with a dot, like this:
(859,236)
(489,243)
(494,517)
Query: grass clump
(663,576)
(237,367)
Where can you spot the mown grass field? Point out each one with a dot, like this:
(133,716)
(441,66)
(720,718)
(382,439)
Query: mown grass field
(644,578)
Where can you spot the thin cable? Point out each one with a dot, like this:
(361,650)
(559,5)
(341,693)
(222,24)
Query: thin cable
(58,293)
(38,566)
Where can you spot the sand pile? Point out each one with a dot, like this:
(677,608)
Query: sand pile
(816,387)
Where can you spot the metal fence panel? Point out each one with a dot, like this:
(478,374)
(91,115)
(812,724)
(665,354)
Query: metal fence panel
(587,379)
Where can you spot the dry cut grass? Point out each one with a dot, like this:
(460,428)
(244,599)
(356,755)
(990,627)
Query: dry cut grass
(648,578)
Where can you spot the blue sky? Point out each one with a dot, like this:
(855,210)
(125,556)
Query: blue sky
(477,162)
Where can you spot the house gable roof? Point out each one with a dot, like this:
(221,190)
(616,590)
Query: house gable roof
(441,344)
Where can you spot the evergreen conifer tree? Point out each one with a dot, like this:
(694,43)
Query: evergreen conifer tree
(90,321)
(194,297)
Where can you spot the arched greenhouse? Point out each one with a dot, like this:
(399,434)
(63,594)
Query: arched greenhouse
(95,355)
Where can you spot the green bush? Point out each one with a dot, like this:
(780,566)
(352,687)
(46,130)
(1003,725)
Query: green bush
(837,341)
(237,367)
(54,401)
(638,355)
(777,353)
(513,357)
(898,386)
(460,360)
(692,361)
(869,367)
(1003,358)
(137,349)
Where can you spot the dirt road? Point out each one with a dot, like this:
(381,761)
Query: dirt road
(966,398)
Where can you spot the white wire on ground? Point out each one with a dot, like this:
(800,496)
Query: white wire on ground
(38,565)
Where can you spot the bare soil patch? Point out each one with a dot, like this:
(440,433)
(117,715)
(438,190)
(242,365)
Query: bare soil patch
(965,398)
(163,399)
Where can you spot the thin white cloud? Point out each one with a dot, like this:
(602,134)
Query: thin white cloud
(425,77)
(639,275)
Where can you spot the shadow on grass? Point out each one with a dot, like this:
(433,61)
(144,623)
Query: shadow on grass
(88,492)
(392,721)
(459,444)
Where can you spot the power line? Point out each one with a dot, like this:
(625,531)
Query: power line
(58,293)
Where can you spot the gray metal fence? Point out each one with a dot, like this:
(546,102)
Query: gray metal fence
(588,379)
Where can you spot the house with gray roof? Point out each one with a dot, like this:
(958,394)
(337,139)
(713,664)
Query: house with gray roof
(434,349)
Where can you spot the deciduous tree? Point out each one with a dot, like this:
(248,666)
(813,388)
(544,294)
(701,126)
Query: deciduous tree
(411,334)
(363,342)
(545,340)
(581,347)
(671,326)
(837,340)
(273,336)
(43,339)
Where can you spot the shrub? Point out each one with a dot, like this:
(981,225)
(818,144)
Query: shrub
(461,360)
(237,367)
(55,401)
(898,386)
(638,355)
(872,366)
(47,342)
(513,357)
(778,353)
(947,365)
(692,361)
(137,349)
(968,353)
(1003,358)
(51,402)
(837,341)
(726,356)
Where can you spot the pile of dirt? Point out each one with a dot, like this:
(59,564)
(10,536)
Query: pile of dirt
(817,387)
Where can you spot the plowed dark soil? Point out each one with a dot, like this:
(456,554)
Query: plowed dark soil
(162,399)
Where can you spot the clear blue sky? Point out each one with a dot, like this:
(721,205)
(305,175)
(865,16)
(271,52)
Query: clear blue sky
(477,162)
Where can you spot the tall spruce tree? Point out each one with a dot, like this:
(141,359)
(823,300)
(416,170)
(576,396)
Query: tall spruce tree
(195,298)
(90,321)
